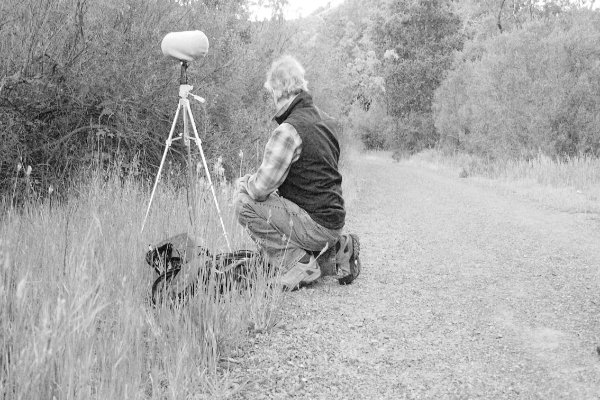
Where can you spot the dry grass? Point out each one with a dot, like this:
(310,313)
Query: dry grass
(75,321)
(571,185)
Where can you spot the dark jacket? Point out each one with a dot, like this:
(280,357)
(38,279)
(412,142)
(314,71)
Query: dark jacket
(314,182)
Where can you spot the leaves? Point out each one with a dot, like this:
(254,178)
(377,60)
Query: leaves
(529,90)
(89,77)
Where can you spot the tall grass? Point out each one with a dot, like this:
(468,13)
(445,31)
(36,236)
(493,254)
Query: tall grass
(579,172)
(570,184)
(75,321)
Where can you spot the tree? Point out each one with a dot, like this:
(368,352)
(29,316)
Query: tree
(528,90)
(484,18)
(417,40)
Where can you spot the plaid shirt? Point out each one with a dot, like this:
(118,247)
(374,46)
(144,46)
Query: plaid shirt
(282,149)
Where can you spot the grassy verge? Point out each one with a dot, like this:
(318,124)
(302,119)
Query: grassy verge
(75,321)
(571,185)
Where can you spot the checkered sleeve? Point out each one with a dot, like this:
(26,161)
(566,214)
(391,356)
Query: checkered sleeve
(282,149)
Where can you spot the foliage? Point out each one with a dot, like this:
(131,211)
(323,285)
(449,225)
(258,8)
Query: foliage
(528,90)
(485,18)
(374,127)
(416,41)
(350,28)
(349,82)
(85,81)
(419,38)
(390,57)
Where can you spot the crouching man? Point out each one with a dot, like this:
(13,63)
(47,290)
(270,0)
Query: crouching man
(292,207)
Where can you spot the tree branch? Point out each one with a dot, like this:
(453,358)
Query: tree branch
(66,137)
(499,23)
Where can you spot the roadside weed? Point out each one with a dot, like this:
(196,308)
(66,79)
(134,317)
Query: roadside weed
(75,317)
(571,184)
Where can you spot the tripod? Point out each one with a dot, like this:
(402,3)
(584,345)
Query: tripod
(188,119)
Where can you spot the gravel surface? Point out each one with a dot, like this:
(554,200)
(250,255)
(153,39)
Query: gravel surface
(465,293)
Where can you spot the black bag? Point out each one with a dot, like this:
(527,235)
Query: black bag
(225,270)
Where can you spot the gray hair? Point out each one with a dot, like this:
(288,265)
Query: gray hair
(286,77)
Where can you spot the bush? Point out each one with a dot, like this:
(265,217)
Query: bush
(374,127)
(530,90)
(84,82)
(415,132)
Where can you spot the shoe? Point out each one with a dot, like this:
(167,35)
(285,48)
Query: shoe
(346,259)
(301,274)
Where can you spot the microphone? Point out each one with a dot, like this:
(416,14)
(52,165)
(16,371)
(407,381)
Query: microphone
(185,46)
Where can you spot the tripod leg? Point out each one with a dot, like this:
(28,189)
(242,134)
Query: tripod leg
(162,162)
(191,186)
(212,188)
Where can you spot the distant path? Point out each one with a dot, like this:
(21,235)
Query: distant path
(464,294)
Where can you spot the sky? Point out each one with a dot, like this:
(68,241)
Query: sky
(299,8)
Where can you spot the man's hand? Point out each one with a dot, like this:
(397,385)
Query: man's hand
(241,184)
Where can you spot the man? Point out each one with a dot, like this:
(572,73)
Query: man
(292,206)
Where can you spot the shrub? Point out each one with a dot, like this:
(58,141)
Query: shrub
(83,81)
(529,90)
(374,127)
(414,133)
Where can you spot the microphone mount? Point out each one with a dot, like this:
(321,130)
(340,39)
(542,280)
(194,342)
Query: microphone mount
(183,80)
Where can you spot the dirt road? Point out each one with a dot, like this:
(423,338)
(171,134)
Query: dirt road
(465,293)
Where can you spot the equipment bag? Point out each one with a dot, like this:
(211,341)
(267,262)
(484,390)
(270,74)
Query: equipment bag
(179,278)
